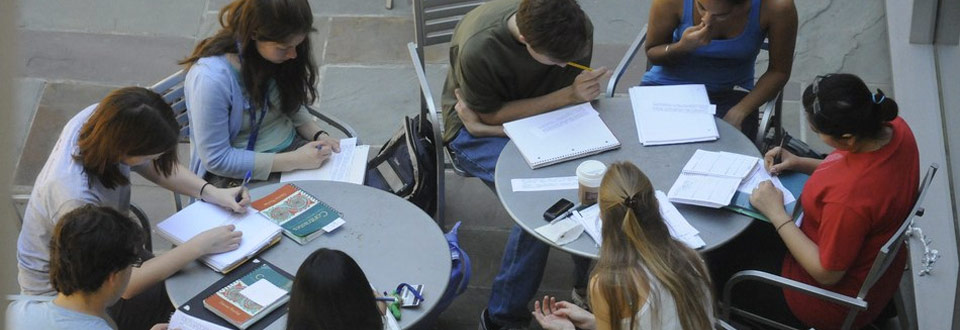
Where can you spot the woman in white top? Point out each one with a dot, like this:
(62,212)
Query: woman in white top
(644,279)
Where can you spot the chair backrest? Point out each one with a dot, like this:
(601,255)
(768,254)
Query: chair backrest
(429,112)
(889,250)
(625,61)
(171,88)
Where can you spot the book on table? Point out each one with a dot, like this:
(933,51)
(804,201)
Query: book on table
(348,165)
(300,215)
(560,135)
(258,233)
(723,179)
(252,297)
(673,114)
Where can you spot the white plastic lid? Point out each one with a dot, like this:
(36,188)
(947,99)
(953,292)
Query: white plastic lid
(590,173)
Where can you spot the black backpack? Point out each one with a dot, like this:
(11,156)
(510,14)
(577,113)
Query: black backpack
(406,166)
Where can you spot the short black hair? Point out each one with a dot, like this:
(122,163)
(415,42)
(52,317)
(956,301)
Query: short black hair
(846,106)
(331,292)
(90,243)
(556,28)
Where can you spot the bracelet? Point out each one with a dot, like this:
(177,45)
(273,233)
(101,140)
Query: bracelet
(667,50)
(317,134)
(201,190)
(783,224)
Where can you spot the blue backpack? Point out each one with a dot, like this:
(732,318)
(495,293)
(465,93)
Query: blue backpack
(459,275)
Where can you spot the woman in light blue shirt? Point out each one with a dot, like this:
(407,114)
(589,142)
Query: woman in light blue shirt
(246,91)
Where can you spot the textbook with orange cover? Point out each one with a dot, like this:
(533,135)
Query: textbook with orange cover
(302,216)
(251,297)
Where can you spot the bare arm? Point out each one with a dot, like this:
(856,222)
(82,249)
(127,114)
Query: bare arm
(782,35)
(664,18)
(182,181)
(585,88)
(769,201)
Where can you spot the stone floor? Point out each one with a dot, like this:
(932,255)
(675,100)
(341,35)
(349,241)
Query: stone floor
(74,52)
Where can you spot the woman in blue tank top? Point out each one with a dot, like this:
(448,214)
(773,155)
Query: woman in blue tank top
(715,43)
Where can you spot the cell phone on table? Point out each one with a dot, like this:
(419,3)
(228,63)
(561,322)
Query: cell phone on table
(557,209)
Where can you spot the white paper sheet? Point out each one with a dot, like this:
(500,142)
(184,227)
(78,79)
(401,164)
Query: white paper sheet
(184,321)
(201,216)
(758,175)
(720,164)
(710,109)
(333,225)
(662,114)
(263,292)
(541,184)
(677,224)
(589,218)
(703,190)
(556,120)
(348,165)
(561,232)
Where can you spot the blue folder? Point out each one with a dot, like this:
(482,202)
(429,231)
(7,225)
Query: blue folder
(793,181)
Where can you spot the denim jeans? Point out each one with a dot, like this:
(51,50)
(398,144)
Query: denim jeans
(524,256)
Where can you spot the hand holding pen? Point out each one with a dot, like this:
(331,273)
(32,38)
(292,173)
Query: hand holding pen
(778,160)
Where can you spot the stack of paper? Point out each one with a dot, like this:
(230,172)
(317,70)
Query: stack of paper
(561,135)
(673,114)
(258,232)
(711,178)
(348,165)
(680,229)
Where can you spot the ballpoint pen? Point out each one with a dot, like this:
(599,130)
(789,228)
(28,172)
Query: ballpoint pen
(246,179)
(777,159)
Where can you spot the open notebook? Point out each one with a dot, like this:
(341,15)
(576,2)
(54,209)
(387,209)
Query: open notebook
(561,135)
(258,232)
(711,178)
(348,165)
(673,114)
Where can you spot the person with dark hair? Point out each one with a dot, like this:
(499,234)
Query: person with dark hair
(132,128)
(93,252)
(331,292)
(854,201)
(645,278)
(247,89)
(508,60)
(715,43)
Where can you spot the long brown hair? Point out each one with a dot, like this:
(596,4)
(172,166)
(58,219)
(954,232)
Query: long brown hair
(131,121)
(635,234)
(245,22)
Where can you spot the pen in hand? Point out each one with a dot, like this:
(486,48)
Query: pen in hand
(246,179)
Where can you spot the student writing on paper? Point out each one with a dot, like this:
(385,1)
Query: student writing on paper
(247,88)
(715,43)
(645,278)
(94,250)
(331,292)
(508,60)
(853,203)
(131,129)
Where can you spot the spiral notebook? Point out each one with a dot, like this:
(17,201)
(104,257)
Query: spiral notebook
(560,135)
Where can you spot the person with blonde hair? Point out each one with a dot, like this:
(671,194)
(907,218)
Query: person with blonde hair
(644,279)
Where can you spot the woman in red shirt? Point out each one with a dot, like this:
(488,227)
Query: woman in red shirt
(853,203)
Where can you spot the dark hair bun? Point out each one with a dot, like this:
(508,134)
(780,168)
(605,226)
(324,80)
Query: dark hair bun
(886,108)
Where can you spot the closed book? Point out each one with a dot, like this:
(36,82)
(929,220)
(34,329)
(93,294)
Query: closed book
(302,216)
(225,303)
(561,135)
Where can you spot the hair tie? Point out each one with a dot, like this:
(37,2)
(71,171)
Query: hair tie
(879,94)
(632,202)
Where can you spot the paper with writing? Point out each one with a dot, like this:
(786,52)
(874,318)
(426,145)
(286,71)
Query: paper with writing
(541,184)
(348,165)
(758,175)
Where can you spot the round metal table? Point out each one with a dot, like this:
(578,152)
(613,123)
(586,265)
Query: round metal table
(662,164)
(392,240)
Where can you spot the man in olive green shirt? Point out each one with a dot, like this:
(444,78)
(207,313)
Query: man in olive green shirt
(508,60)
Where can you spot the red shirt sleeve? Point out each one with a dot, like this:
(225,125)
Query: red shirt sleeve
(842,233)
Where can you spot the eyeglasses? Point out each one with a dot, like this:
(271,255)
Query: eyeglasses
(137,262)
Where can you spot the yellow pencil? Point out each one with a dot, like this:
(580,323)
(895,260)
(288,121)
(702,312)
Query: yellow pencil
(581,67)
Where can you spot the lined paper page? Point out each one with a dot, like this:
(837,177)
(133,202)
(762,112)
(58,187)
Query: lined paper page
(720,164)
